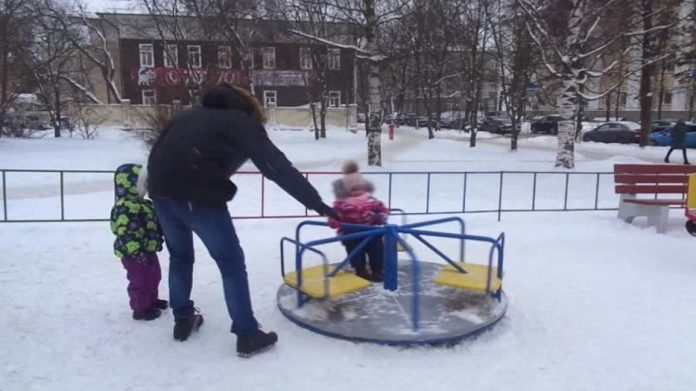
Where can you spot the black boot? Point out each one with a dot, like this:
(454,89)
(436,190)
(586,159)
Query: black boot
(152,313)
(377,276)
(248,345)
(161,304)
(361,271)
(183,327)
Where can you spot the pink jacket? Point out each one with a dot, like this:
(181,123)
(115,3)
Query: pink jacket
(360,209)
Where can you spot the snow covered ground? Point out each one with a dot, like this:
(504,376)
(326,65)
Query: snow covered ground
(595,303)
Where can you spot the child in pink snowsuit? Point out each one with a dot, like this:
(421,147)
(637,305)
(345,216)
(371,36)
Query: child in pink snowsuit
(355,205)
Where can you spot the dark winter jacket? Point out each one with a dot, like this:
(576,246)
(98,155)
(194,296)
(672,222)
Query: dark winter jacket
(133,218)
(679,135)
(202,147)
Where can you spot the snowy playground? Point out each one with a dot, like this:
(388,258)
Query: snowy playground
(594,303)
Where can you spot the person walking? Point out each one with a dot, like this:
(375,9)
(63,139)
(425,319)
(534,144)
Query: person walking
(189,171)
(678,140)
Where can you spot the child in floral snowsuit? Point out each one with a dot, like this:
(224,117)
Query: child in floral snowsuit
(355,204)
(138,238)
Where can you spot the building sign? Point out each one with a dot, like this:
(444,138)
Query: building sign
(272,78)
(168,77)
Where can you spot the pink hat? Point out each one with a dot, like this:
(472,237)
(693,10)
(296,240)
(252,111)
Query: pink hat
(352,178)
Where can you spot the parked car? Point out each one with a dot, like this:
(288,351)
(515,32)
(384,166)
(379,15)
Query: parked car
(449,119)
(662,124)
(499,122)
(665,137)
(624,132)
(547,124)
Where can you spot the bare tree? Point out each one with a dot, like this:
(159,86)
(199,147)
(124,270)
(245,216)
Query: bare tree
(52,62)
(475,60)
(366,17)
(566,32)
(15,41)
(516,57)
(686,54)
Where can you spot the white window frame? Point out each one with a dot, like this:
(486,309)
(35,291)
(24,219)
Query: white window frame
(268,96)
(334,59)
(225,56)
(334,98)
(269,57)
(147,55)
(306,58)
(190,53)
(150,101)
(171,52)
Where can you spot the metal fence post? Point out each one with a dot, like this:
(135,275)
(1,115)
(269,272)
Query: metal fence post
(500,196)
(534,186)
(389,196)
(427,196)
(565,196)
(464,194)
(4,195)
(596,194)
(62,197)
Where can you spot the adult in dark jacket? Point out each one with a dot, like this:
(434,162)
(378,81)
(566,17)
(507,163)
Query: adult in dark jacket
(189,173)
(678,140)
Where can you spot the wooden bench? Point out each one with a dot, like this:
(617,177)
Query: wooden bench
(665,184)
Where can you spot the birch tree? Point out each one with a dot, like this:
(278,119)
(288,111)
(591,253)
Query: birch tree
(367,18)
(566,32)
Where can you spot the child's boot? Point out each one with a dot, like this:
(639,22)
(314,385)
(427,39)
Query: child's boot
(361,271)
(184,326)
(151,314)
(377,275)
(161,304)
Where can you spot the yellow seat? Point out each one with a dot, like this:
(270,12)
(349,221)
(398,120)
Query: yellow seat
(691,194)
(313,279)
(474,279)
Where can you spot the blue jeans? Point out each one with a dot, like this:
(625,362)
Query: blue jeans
(179,220)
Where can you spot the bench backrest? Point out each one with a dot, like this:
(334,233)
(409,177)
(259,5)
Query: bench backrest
(651,178)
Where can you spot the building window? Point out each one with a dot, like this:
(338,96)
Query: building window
(171,56)
(667,98)
(225,57)
(334,98)
(623,97)
(147,55)
(149,97)
(268,58)
(194,56)
(306,58)
(335,59)
(270,98)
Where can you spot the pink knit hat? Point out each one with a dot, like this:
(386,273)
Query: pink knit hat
(353,180)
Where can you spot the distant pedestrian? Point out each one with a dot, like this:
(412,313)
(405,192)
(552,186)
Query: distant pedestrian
(678,140)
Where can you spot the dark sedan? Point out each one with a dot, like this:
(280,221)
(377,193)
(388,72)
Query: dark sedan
(614,132)
(500,124)
(548,124)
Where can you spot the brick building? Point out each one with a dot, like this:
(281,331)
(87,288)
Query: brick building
(158,63)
